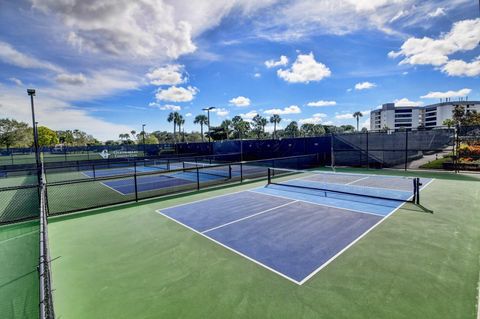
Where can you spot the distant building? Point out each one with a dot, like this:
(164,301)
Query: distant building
(411,117)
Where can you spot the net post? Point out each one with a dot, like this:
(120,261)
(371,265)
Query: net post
(93,169)
(241,172)
(418,191)
(229,171)
(414,199)
(198,178)
(269,174)
(135,181)
(168,164)
(406,150)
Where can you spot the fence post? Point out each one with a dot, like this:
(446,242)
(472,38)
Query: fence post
(368,155)
(93,169)
(135,181)
(406,150)
(241,172)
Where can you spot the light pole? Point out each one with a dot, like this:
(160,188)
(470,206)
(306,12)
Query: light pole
(143,139)
(208,109)
(31,93)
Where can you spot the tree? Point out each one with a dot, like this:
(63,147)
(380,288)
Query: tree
(357,115)
(307,129)
(260,123)
(66,137)
(275,119)
(240,126)
(46,136)
(173,117)
(133,133)
(151,139)
(202,120)
(226,127)
(458,114)
(318,130)
(347,128)
(292,129)
(448,123)
(180,122)
(15,134)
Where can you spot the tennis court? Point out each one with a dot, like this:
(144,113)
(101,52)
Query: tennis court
(296,226)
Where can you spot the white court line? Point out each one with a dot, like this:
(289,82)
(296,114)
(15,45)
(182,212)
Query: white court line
(356,240)
(357,180)
(267,267)
(319,204)
(230,248)
(113,189)
(247,217)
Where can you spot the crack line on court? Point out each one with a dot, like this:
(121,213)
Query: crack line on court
(247,217)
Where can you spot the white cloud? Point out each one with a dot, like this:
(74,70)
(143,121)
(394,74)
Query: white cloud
(322,103)
(257,75)
(16,81)
(366,124)
(56,113)
(437,13)
(349,116)
(171,74)
(292,109)
(364,85)
(71,79)
(463,36)
(462,68)
(170,107)
(272,63)
(406,102)
(176,94)
(188,114)
(316,118)
(240,101)
(221,111)
(447,94)
(304,70)
(10,55)
(250,115)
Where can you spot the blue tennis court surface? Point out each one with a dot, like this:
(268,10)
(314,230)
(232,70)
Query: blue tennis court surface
(290,230)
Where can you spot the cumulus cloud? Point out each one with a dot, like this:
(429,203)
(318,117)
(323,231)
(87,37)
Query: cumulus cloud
(123,28)
(406,102)
(292,109)
(462,68)
(364,86)
(281,62)
(322,103)
(248,116)
(349,116)
(170,107)
(16,81)
(437,13)
(463,36)
(257,75)
(9,55)
(171,74)
(71,79)
(316,118)
(240,101)
(188,114)
(176,94)
(304,70)
(221,111)
(447,94)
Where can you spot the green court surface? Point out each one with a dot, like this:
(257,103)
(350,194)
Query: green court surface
(130,262)
(19,252)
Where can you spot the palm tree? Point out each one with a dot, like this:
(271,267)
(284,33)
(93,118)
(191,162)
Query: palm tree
(357,115)
(180,122)
(275,119)
(226,124)
(202,120)
(173,117)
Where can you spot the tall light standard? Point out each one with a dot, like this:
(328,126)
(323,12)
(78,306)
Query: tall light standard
(143,139)
(31,93)
(208,109)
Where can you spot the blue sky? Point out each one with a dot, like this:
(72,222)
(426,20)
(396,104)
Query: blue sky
(106,67)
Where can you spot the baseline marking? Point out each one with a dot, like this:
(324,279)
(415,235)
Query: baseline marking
(231,249)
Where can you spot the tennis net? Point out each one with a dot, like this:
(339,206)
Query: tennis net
(348,186)
(46,301)
(217,170)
